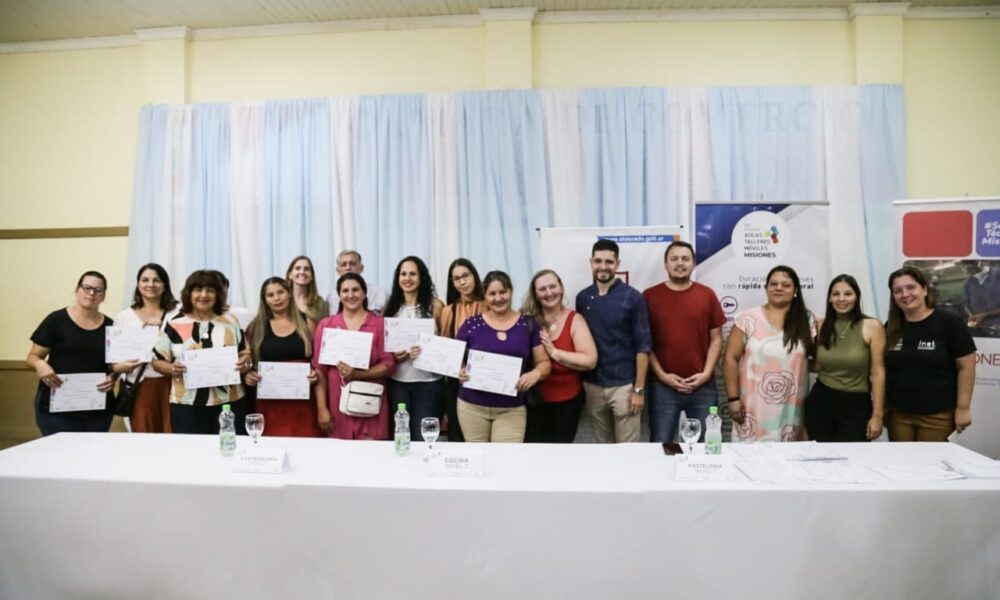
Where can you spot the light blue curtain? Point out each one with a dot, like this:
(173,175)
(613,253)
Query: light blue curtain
(208,214)
(393,206)
(501,181)
(883,178)
(623,138)
(761,142)
(149,176)
(294,212)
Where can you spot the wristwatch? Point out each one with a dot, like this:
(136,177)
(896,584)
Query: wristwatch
(637,390)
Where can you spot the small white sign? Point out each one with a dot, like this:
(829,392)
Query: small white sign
(454,463)
(704,467)
(261,460)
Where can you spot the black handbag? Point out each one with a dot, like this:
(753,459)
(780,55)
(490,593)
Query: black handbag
(125,399)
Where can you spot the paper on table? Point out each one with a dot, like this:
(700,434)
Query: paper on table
(283,381)
(210,367)
(768,469)
(78,392)
(916,473)
(403,334)
(834,471)
(440,355)
(344,345)
(984,469)
(808,451)
(491,372)
(126,344)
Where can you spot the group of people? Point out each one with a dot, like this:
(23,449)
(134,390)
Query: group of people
(914,374)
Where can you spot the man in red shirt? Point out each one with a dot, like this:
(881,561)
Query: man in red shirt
(686,321)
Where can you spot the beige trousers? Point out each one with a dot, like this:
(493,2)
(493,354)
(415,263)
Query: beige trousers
(486,424)
(609,410)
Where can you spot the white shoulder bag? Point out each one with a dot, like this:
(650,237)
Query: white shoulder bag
(361,399)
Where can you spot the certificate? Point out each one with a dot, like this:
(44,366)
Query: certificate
(403,334)
(283,381)
(125,344)
(352,347)
(78,392)
(210,367)
(489,372)
(440,355)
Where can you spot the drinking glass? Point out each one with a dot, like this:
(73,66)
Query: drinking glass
(430,429)
(255,426)
(690,431)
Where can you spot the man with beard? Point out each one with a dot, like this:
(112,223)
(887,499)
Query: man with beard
(616,314)
(686,320)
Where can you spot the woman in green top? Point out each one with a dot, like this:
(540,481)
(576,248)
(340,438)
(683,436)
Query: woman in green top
(846,404)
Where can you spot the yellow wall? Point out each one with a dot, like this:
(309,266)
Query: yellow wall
(68,119)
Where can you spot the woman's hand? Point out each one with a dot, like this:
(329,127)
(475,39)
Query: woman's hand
(126,367)
(252,378)
(874,427)
(47,374)
(401,355)
(737,412)
(463,374)
(312,377)
(107,385)
(346,371)
(324,420)
(528,380)
(550,348)
(963,418)
(177,369)
(413,353)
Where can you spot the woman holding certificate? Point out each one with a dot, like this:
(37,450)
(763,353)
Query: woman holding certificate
(505,359)
(74,386)
(569,345)
(336,378)
(202,335)
(152,304)
(465,298)
(412,298)
(281,335)
(302,278)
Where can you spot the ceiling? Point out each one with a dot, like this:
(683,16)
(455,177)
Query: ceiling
(37,20)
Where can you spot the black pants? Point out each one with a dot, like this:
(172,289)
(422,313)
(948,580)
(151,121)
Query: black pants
(835,416)
(187,418)
(451,409)
(554,422)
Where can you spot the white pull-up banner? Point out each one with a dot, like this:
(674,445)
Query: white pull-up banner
(956,244)
(566,250)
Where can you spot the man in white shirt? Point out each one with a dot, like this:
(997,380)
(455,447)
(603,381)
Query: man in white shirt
(349,261)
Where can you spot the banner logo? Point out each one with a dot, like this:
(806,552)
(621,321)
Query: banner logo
(761,238)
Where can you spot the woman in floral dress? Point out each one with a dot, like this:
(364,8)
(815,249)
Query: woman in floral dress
(767,362)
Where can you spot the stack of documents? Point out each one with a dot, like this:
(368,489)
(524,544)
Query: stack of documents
(984,469)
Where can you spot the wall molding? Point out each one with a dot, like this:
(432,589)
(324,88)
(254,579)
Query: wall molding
(62,233)
(476,20)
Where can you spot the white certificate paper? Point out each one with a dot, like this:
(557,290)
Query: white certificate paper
(489,372)
(210,367)
(352,347)
(125,344)
(283,381)
(440,355)
(78,392)
(403,334)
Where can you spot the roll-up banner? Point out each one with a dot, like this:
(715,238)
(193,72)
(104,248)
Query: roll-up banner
(566,250)
(736,244)
(956,244)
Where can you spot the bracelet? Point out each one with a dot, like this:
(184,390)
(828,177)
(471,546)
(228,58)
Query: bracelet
(734,399)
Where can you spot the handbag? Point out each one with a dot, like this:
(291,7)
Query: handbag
(361,398)
(125,399)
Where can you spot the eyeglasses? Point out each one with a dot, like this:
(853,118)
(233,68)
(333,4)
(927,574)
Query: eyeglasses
(458,278)
(89,289)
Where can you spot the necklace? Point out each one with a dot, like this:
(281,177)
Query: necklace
(841,331)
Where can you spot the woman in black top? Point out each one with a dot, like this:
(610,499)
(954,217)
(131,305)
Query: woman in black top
(282,333)
(72,339)
(930,364)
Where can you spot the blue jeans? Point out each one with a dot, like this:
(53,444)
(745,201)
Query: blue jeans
(422,398)
(666,404)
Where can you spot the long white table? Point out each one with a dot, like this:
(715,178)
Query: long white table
(163,516)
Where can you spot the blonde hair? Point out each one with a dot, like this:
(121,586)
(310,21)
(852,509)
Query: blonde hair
(531,305)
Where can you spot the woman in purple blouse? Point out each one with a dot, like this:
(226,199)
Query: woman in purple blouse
(488,416)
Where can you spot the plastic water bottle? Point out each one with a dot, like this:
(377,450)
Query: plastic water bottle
(227,431)
(402,431)
(713,431)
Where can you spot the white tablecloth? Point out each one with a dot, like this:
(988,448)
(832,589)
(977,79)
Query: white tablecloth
(163,516)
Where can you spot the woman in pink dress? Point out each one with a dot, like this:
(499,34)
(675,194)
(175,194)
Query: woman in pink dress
(353,314)
(767,363)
